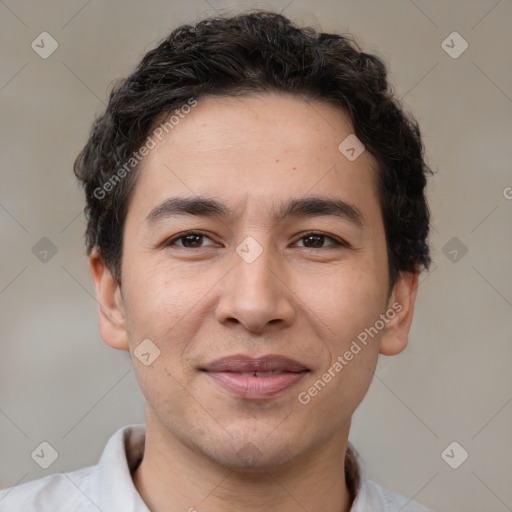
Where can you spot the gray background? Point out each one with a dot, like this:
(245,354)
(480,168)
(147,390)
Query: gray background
(60,383)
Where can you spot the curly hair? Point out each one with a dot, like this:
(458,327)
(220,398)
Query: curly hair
(258,52)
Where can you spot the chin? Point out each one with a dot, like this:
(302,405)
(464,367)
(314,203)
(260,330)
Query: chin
(254,455)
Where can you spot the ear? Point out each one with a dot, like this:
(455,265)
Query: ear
(401,302)
(111,311)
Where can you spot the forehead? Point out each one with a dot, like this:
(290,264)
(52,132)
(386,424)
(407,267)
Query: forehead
(260,122)
(255,151)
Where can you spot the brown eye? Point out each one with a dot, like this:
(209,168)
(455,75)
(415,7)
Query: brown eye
(191,240)
(314,241)
(317,240)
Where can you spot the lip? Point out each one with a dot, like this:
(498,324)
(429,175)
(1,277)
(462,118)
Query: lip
(243,363)
(228,373)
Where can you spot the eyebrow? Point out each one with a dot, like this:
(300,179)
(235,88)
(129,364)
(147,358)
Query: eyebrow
(202,206)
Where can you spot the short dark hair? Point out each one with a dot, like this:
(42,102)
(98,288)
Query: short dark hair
(258,52)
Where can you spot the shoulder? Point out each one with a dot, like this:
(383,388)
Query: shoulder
(58,491)
(369,496)
(390,501)
(106,486)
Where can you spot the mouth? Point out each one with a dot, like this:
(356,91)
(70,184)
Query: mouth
(255,378)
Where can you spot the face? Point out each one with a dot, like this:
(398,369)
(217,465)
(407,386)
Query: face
(273,261)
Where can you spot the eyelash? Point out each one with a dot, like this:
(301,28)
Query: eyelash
(337,242)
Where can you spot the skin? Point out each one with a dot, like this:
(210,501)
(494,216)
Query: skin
(301,298)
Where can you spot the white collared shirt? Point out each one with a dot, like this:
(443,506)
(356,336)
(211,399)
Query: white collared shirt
(108,486)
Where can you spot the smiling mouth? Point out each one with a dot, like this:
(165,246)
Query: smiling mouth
(255,379)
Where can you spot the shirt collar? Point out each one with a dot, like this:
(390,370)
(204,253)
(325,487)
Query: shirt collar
(356,476)
(121,456)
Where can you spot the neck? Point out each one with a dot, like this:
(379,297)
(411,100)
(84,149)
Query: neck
(173,477)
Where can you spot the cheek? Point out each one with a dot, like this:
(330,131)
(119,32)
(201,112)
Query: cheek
(163,309)
(353,307)
(346,300)
(163,305)
(347,310)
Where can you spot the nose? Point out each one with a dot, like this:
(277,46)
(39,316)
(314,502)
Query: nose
(255,294)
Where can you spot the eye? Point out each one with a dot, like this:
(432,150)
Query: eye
(190,240)
(316,240)
(311,240)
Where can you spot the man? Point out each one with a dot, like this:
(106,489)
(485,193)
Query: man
(256,227)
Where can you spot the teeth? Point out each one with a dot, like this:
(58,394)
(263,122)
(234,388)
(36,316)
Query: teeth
(247,374)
